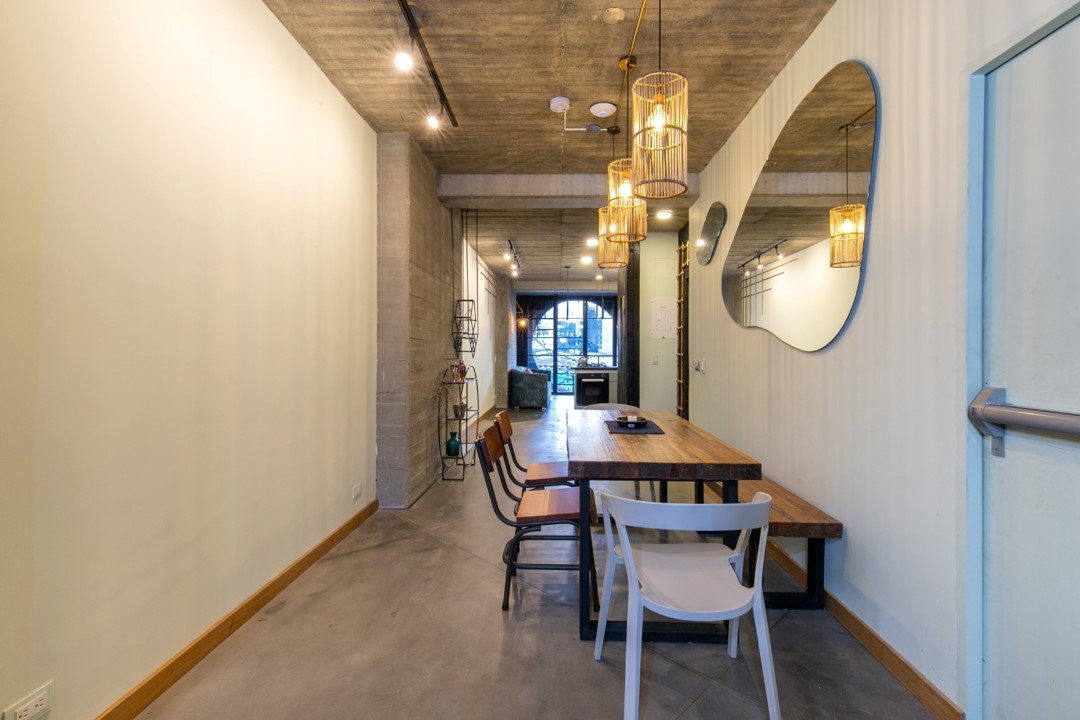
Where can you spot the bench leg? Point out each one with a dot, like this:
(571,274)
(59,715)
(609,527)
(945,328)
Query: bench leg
(814,596)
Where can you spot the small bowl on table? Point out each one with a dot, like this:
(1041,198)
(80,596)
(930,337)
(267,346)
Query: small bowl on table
(630,422)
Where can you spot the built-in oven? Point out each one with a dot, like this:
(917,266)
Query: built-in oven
(590,388)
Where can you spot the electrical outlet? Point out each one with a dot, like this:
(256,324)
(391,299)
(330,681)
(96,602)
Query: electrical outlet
(33,706)
(356,490)
(698,366)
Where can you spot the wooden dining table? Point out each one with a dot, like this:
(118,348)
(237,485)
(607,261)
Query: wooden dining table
(683,453)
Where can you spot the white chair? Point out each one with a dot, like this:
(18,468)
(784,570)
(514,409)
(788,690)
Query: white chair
(626,409)
(689,581)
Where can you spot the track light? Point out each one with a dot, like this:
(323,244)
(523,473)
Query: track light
(433,121)
(403,61)
(760,265)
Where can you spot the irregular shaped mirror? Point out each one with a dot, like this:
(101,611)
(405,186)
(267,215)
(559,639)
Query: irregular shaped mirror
(781,273)
(715,220)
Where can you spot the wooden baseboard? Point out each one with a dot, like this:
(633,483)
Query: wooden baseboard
(925,691)
(161,679)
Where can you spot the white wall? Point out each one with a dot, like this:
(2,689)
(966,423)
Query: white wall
(873,428)
(188,282)
(657,360)
(482,289)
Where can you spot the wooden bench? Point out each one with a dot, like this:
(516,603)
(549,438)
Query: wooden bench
(791,516)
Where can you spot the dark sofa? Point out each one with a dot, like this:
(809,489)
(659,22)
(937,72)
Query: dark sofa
(528,388)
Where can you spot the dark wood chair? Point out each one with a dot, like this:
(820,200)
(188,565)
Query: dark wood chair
(535,510)
(542,474)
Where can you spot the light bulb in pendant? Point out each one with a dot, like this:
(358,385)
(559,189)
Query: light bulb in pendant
(626,189)
(847,226)
(658,118)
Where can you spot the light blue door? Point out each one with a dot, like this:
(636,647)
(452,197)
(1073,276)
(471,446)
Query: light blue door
(1031,346)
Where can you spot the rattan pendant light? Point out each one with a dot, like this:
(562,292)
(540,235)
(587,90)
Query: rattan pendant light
(847,223)
(610,254)
(627,213)
(661,106)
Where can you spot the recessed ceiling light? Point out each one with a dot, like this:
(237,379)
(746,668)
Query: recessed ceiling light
(599,277)
(586,259)
(602,109)
(403,61)
(700,242)
(663,215)
(592,242)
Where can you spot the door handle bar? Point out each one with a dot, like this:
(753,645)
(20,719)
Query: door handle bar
(990,414)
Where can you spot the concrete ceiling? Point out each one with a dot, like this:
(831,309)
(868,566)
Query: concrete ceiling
(501,61)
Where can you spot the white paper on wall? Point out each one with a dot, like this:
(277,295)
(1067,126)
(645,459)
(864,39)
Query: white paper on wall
(664,318)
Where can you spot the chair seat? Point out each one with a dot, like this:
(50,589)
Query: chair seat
(552,505)
(691,581)
(547,473)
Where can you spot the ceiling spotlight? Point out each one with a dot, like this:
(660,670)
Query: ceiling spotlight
(779,252)
(592,242)
(523,323)
(506,256)
(602,109)
(760,265)
(403,61)
(599,277)
(513,273)
(513,266)
(746,273)
(586,259)
(433,121)
(700,242)
(663,215)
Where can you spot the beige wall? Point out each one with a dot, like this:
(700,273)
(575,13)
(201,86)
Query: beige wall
(187,371)
(873,428)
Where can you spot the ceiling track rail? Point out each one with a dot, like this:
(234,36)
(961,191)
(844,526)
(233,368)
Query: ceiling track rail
(414,33)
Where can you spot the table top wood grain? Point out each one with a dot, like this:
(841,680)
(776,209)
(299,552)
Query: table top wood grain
(684,452)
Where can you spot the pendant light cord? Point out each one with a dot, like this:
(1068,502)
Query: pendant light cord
(659,34)
(847,167)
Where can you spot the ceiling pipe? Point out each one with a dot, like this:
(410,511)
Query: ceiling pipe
(414,33)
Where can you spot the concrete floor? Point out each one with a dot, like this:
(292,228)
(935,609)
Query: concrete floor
(402,620)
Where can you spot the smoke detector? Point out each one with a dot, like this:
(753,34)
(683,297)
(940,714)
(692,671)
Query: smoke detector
(559,104)
(602,109)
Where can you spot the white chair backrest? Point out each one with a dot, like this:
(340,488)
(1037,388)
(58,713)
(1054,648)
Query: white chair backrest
(707,517)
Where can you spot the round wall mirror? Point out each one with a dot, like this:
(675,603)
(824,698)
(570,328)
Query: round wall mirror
(787,270)
(715,220)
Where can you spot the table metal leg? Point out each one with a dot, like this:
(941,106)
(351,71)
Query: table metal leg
(584,553)
(730,494)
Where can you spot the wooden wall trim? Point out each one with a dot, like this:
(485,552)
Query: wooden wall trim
(140,697)
(925,691)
